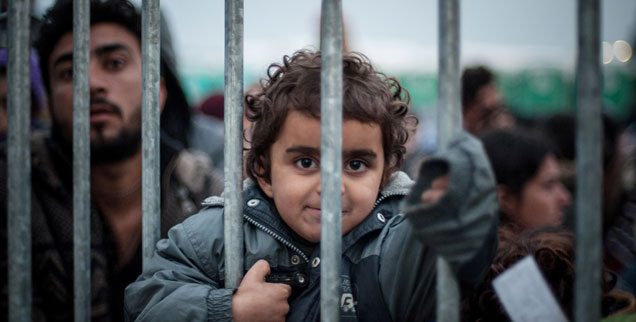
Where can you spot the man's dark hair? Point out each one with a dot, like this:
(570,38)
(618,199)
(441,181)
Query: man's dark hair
(515,155)
(368,96)
(473,79)
(58,20)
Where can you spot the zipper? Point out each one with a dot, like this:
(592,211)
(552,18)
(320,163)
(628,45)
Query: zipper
(386,196)
(277,237)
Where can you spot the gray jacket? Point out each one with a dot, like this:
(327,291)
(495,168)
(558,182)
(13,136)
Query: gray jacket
(388,260)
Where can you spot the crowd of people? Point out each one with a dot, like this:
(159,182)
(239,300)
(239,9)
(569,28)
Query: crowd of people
(502,190)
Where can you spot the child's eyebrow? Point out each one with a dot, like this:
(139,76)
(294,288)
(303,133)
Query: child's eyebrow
(362,153)
(303,150)
(350,154)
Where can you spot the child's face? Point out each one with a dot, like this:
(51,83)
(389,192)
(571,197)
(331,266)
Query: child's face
(295,173)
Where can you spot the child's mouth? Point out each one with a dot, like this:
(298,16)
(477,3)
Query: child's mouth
(314,211)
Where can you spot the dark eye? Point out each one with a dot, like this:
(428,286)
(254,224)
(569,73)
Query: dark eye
(306,163)
(114,64)
(65,74)
(356,165)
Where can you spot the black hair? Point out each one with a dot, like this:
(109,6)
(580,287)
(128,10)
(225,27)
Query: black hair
(473,79)
(58,21)
(516,155)
(561,129)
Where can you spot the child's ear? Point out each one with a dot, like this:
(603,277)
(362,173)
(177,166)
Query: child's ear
(507,200)
(266,186)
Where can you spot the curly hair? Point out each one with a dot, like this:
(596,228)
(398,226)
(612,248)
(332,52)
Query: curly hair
(369,96)
(553,250)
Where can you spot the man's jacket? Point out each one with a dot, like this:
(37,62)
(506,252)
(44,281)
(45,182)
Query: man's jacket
(388,268)
(186,181)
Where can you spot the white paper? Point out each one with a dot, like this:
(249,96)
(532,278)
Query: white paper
(525,294)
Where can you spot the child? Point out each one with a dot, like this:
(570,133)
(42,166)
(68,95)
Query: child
(388,258)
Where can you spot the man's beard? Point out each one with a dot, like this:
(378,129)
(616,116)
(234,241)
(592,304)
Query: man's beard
(107,150)
(119,148)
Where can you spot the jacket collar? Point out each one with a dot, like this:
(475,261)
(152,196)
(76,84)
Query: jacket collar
(260,208)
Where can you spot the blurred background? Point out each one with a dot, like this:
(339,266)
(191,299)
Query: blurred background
(531,46)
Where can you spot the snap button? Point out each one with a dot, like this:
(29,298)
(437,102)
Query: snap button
(253,202)
(295,259)
(300,279)
(315,262)
(381,217)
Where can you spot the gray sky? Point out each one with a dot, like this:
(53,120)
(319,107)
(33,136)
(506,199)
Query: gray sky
(398,35)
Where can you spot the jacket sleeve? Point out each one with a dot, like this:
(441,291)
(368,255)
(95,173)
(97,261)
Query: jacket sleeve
(461,227)
(183,280)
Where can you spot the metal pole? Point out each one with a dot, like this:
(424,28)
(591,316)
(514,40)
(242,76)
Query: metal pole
(449,116)
(449,123)
(151,189)
(331,159)
(588,155)
(233,158)
(81,162)
(19,162)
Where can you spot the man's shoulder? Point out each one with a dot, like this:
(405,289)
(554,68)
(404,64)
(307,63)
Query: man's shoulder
(41,159)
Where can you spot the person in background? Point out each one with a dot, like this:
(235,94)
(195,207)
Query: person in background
(619,191)
(39,119)
(115,85)
(482,103)
(528,178)
(553,251)
(207,132)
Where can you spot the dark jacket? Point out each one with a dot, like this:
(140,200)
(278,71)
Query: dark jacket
(388,266)
(185,183)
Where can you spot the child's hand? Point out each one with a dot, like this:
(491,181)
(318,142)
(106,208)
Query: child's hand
(257,300)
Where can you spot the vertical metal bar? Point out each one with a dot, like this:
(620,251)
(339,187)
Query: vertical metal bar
(449,123)
(449,117)
(19,162)
(331,159)
(151,189)
(81,161)
(588,166)
(233,158)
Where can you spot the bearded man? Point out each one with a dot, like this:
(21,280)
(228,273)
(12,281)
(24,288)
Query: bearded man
(115,79)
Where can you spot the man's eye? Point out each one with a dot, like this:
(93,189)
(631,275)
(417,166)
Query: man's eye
(356,165)
(306,163)
(65,74)
(114,64)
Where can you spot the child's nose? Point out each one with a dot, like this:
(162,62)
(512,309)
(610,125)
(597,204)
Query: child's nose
(342,188)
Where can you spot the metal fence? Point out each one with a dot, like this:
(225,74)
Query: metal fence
(449,122)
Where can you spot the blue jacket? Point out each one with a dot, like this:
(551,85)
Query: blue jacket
(388,269)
